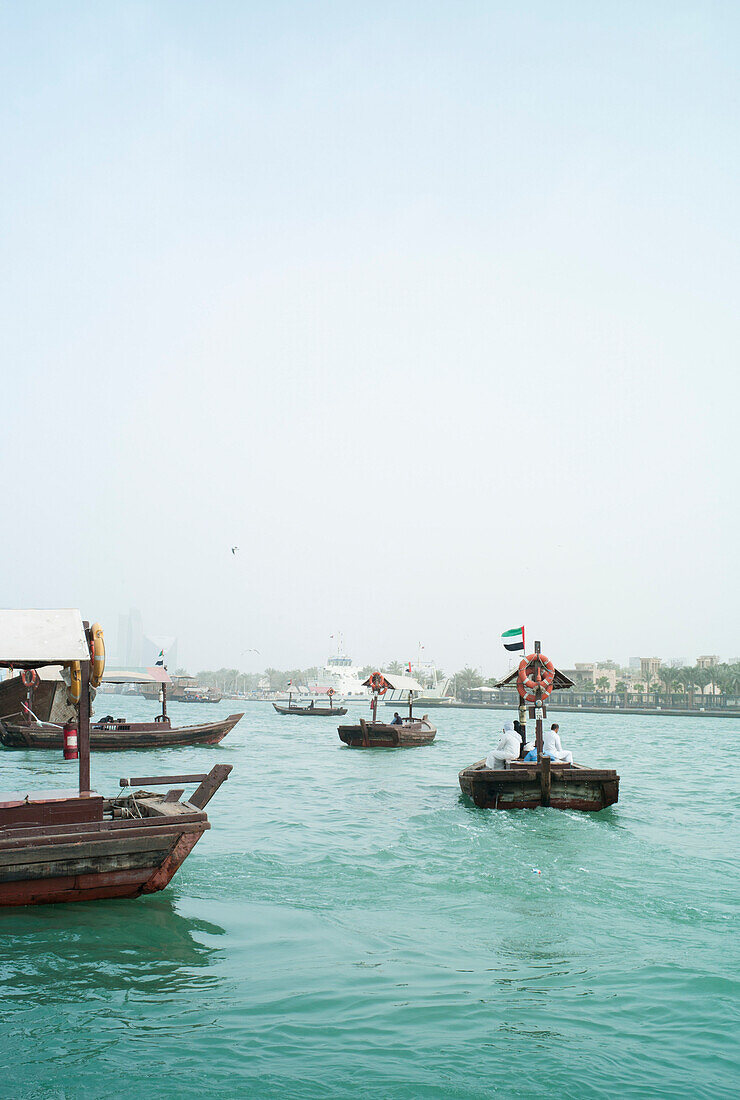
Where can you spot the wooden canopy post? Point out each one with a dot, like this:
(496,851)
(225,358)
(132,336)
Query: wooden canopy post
(83,723)
(411,703)
(374,706)
(164,702)
(538,711)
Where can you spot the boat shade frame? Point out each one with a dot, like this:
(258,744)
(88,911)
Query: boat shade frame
(34,637)
(137,676)
(397,683)
(560,681)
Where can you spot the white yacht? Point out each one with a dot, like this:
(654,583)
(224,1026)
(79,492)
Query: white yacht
(340,674)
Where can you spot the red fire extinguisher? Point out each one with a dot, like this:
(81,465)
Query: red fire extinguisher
(70,741)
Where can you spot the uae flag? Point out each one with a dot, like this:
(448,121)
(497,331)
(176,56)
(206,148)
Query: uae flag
(513,639)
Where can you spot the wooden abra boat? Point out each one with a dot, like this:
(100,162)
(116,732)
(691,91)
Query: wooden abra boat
(75,845)
(311,711)
(409,733)
(521,784)
(22,725)
(66,845)
(382,735)
(111,734)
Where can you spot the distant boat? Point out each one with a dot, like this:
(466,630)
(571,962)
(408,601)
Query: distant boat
(111,734)
(342,677)
(407,733)
(32,718)
(310,710)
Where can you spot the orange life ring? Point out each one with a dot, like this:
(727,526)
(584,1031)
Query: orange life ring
(378,683)
(535,672)
(30,678)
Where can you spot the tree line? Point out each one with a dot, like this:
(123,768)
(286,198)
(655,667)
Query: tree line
(688,679)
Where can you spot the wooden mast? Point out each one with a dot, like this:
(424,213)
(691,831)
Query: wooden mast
(83,730)
(538,713)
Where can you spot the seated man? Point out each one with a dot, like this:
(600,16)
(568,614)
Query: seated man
(507,748)
(552,747)
(396,720)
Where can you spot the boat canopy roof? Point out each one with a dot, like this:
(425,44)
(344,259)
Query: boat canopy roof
(397,683)
(560,681)
(30,638)
(155,675)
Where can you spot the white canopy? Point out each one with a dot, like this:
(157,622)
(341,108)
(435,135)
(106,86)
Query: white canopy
(32,637)
(398,683)
(155,675)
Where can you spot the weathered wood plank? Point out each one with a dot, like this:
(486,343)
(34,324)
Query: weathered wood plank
(205,792)
(136,827)
(123,861)
(11,835)
(545,780)
(162,780)
(98,846)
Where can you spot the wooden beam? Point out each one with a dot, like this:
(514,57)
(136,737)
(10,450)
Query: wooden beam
(162,780)
(205,792)
(83,724)
(545,780)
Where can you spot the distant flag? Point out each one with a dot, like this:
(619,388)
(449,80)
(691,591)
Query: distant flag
(160,659)
(513,639)
(409,667)
(234,550)
(290,683)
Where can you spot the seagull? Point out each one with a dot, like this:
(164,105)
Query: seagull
(234,550)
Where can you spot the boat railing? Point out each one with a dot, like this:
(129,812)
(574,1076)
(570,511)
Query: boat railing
(208,782)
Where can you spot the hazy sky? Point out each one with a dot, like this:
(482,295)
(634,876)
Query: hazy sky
(430,308)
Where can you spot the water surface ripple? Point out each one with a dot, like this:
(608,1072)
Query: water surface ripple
(351,926)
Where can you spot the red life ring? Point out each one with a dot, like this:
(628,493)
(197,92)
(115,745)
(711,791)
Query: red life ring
(30,678)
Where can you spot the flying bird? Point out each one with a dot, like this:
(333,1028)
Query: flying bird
(234,550)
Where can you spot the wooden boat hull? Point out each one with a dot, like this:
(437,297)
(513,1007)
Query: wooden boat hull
(61,846)
(113,862)
(522,786)
(115,736)
(316,712)
(379,735)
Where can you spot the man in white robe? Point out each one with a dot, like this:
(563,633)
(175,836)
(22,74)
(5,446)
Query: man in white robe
(507,748)
(552,747)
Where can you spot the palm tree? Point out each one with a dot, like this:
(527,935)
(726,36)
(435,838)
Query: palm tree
(395,666)
(467,679)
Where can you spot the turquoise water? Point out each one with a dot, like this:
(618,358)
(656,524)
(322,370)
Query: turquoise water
(351,926)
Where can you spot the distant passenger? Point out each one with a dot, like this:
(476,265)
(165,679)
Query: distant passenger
(552,747)
(507,748)
(396,720)
(311,705)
